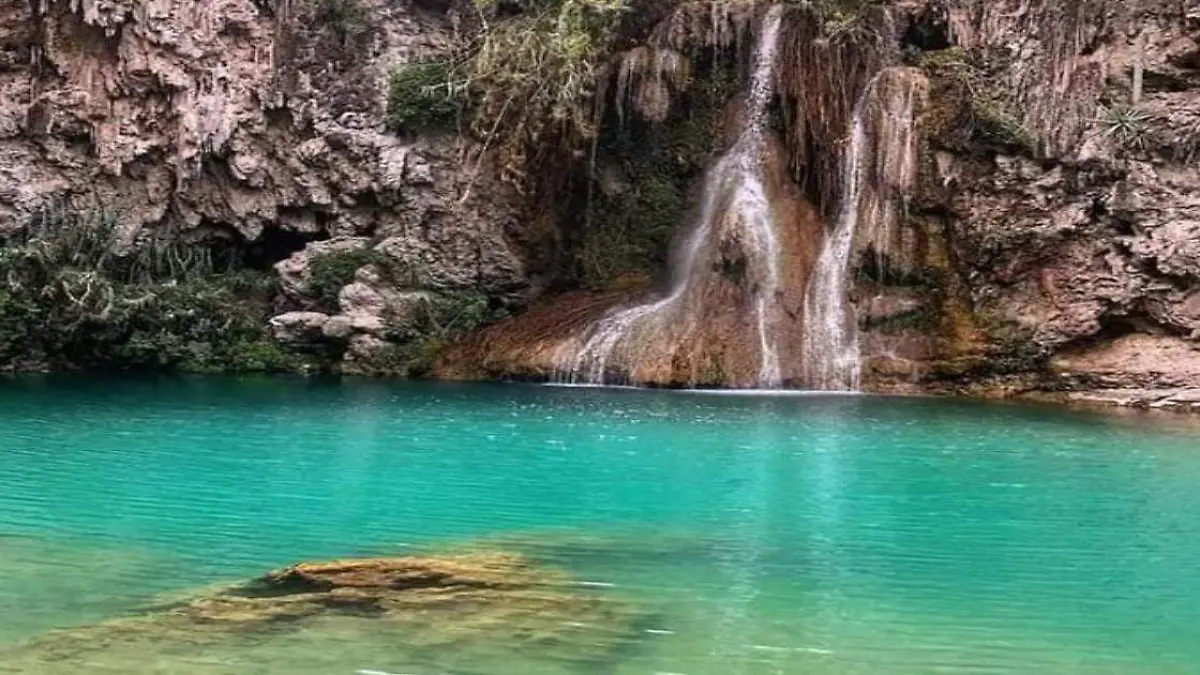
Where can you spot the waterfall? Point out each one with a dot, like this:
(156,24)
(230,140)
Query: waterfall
(734,188)
(878,169)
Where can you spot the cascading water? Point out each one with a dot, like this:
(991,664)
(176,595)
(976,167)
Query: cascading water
(878,168)
(734,191)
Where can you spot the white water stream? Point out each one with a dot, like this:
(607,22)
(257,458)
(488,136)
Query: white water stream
(880,164)
(733,188)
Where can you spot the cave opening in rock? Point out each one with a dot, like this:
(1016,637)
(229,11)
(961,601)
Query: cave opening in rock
(1114,327)
(276,244)
(232,251)
(929,30)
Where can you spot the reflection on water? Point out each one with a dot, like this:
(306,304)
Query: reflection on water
(747,535)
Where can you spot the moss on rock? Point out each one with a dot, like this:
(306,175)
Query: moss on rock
(644,182)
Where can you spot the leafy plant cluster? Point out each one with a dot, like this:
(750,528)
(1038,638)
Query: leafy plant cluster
(1129,127)
(840,11)
(441,319)
(525,80)
(425,94)
(968,113)
(71,296)
(329,273)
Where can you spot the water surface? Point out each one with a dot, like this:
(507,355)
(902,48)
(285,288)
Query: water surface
(757,534)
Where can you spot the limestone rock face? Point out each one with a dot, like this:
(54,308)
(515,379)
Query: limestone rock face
(1063,256)
(1058,231)
(1071,265)
(257,127)
(231,120)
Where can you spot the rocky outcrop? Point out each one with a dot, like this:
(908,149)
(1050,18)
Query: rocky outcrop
(1083,247)
(252,126)
(1056,218)
(232,118)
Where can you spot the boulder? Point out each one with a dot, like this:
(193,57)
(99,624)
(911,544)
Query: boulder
(294,271)
(299,327)
(359,298)
(365,348)
(339,328)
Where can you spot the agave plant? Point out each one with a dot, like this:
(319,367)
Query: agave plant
(1128,126)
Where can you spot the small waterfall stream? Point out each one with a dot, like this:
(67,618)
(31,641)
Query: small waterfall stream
(879,167)
(733,188)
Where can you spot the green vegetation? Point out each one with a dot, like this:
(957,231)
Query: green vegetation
(533,84)
(439,319)
(840,11)
(646,173)
(630,237)
(1129,127)
(73,296)
(534,76)
(329,273)
(425,94)
(528,80)
(410,359)
(990,120)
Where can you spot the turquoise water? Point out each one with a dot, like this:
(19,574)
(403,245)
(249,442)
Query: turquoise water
(784,534)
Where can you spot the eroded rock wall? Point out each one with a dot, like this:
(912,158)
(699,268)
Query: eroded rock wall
(256,123)
(1081,241)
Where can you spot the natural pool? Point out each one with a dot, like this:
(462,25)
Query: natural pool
(747,535)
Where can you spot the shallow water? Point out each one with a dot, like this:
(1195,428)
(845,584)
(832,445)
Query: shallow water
(752,534)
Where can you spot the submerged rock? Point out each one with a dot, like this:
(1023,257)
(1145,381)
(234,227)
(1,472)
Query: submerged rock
(403,609)
(405,574)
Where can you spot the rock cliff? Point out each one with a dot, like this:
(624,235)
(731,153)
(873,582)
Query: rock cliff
(1051,246)
(1078,253)
(255,127)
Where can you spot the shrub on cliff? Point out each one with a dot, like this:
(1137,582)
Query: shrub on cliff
(528,79)
(968,112)
(73,295)
(329,273)
(1129,127)
(425,94)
